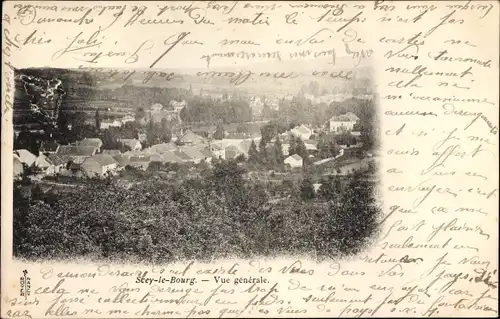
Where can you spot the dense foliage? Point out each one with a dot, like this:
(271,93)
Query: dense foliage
(220,214)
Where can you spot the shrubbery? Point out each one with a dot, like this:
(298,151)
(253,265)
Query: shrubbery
(220,215)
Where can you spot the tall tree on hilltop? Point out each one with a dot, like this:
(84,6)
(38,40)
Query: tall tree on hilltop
(253,153)
(97,120)
(301,149)
(219,133)
(278,151)
(292,148)
(263,152)
(307,189)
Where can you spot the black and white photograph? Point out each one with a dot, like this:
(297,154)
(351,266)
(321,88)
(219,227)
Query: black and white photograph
(142,166)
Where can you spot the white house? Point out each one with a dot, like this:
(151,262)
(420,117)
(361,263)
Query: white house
(131,143)
(217,150)
(157,107)
(294,161)
(343,123)
(302,131)
(105,124)
(18,166)
(26,157)
(127,118)
(91,142)
(98,165)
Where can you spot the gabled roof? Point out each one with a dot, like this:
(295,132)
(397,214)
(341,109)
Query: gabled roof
(102,159)
(192,152)
(161,148)
(157,106)
(190,137)
(295,157)
(95,142)
(156,158)
(56,159)
(301,129)
(134,153)
(130,142)
(72,150)
(245,145)
(122,160)
(139,159)
(207,153)
(170,156)
(49,146)
(43,161)
(183,156)
(111,152)
(26,156)
(216,147)
(348,117)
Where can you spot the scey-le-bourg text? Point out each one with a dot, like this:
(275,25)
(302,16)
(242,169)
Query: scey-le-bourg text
(142,278)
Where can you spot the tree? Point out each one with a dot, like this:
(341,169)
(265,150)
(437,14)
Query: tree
(140,114)
(278,151)
(292,148)
(306,189)
(263,152)
(355,220)
(97,120)
(253,153)
(219,133)
(330,189)
(301,149)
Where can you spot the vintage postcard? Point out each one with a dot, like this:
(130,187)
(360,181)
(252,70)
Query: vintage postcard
(249,159)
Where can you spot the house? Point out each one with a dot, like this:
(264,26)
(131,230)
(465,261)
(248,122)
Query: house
(182,156)
(142,137)
(111,152)
(343,123)
(58,164)
(294,161)
(122,160)
(26,157)
(131,143)
(76,154)
(311,145)
(178,106)
(43,163)
(49,147)
(140,162)
(205,131)
(127,118)
(161,148)
(105,124)
(18,167)
(170,157)
(245,145)
(93,142)
(232,151)
(156,158)
(217,151)
(190,138)
(285,147)
(207,155)
(98,165)
(302,131)
(136,153)
(157,107)
(195,155)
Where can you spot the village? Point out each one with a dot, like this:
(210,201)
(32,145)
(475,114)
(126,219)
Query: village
(141,170)
(88,158)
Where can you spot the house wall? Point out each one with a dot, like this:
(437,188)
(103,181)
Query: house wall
(335,126)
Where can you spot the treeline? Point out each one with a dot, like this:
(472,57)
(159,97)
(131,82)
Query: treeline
(218,216)
(210,110)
